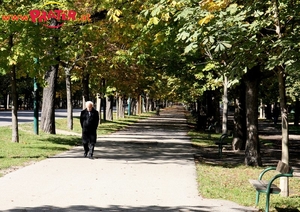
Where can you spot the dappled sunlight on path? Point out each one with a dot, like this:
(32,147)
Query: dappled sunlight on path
(149,166)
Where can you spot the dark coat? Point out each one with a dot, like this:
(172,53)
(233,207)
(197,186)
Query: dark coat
(89,124)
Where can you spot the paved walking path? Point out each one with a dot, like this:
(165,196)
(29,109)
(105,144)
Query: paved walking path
(147,167)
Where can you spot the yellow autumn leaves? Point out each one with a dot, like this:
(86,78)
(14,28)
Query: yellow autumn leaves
(211,6)
(114,14)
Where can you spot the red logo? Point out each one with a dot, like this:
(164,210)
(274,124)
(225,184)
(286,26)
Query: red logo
(43,16)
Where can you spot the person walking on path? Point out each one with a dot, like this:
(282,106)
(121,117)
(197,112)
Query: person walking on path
(89,120)
(148,166)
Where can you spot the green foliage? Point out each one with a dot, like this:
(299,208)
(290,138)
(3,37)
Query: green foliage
(139,42)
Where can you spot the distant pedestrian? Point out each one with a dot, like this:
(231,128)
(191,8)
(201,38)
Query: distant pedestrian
(89,120)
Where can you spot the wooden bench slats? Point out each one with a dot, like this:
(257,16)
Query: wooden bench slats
(261,185)
(283,168)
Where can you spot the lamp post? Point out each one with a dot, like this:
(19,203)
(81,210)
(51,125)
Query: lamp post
(35,103)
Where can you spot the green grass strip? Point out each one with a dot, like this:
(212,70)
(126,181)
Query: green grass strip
(33,147)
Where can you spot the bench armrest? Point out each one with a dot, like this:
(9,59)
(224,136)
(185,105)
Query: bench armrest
(265,171)
(278,176)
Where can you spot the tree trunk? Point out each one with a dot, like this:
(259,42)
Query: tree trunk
(216,107)
(284,182)
(104,108)
(117,107)
(147,104)
(252,151)
(109,108)
(85,89)
(103,91)
(296,114)
(143,104)
(133,106)
(225,106)
(240,128)
(139,105)
(129,106)
(98,108)
(268,112)
(213,109)
(49,92)
(201,115)
(14,108)
(121,107)
(69,99)
(48,108)
(210,107)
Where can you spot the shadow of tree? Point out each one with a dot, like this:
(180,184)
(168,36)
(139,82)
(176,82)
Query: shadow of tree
(286,209)
(69,140)
(116,208)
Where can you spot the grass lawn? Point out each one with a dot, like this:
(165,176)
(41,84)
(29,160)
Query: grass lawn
(33,147)
(222,179)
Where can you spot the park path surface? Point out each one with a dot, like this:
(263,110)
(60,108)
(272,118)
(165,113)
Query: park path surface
(148,166)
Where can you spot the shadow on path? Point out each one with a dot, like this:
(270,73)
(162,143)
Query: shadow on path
(149,166)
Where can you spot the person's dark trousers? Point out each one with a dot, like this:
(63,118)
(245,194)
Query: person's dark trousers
(89,141)
(91,149)
(86,148)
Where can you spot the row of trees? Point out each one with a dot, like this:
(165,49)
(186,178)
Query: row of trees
(238,45)
(87,54)
(177,49)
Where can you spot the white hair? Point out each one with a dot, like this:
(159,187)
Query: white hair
(89,103)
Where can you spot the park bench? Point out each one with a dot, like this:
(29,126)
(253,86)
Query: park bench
(221,142)
(267,186)
(211,128)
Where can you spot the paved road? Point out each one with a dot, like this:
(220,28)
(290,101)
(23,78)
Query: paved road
(25,116)
(147,167)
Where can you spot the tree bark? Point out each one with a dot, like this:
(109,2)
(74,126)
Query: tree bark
(85,89)
(69,98)
(240,128)
(109,108)
(133,106)
(98,108)
(296,114)
(48,105)
(14,108)
(225,105)
(216,107)
(139,105)
(121,108)
(147,103)
(103,91)
(284,183)
(48,108)
(118,107)
(252,150)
